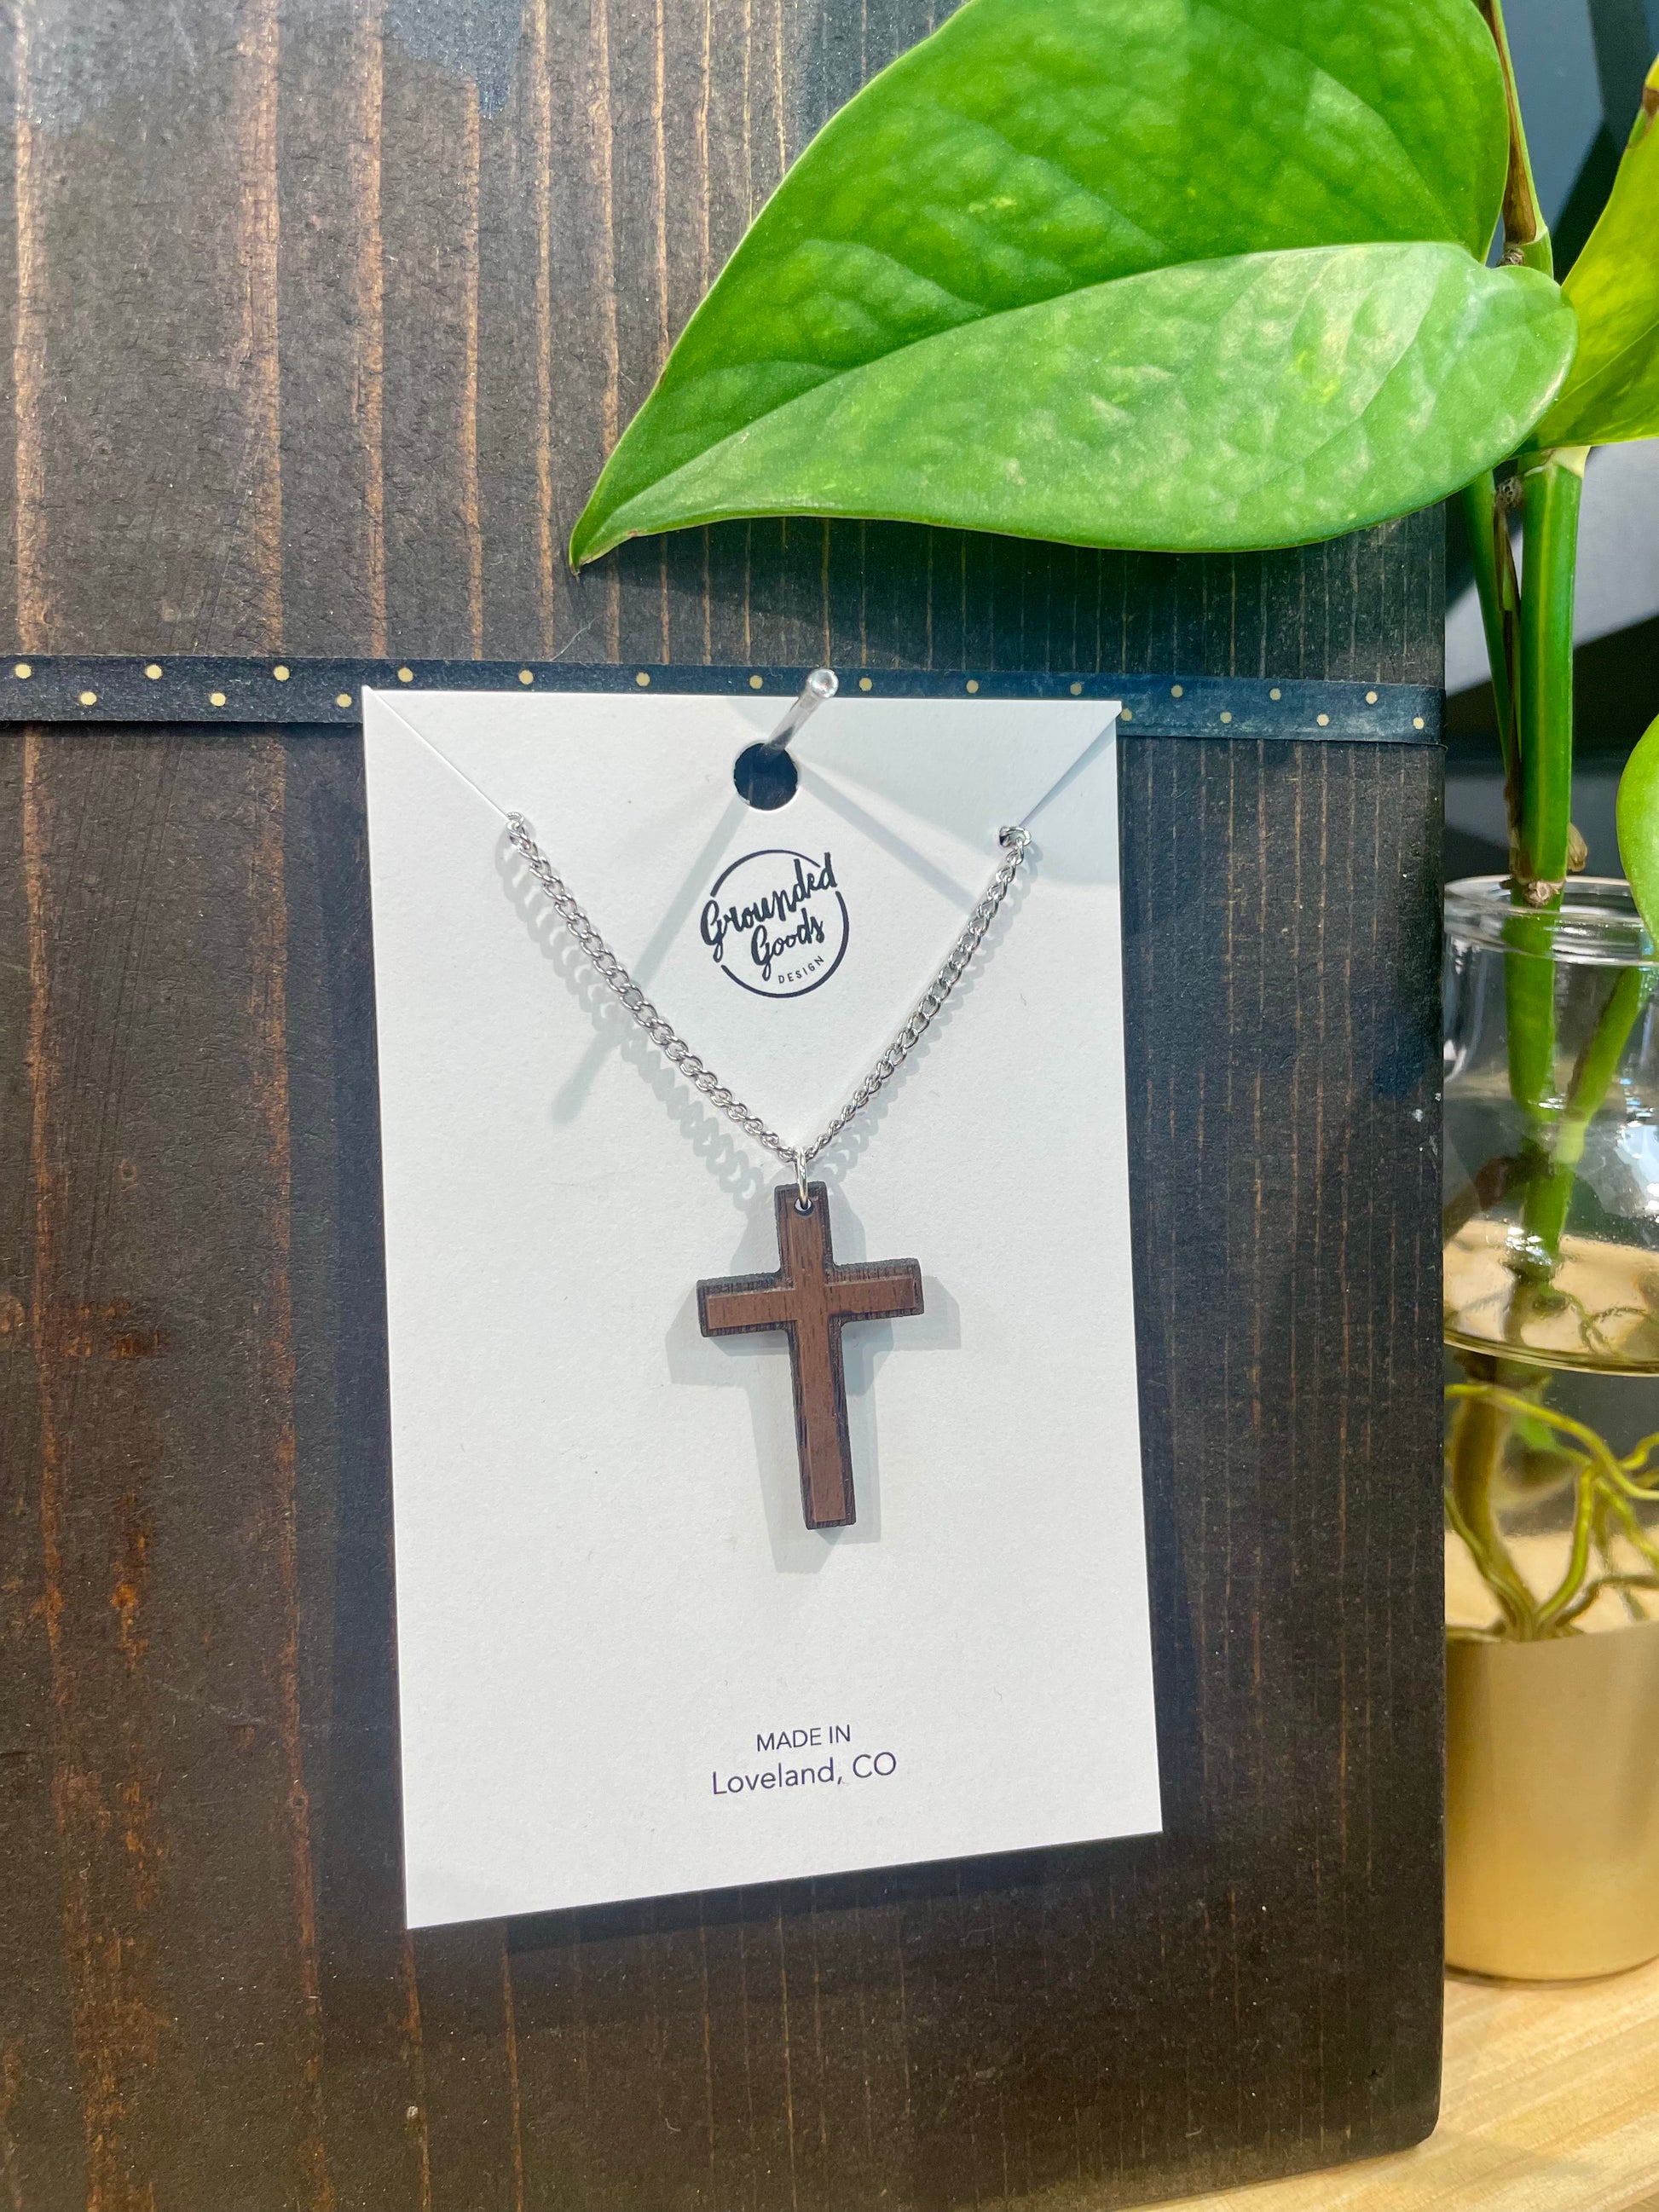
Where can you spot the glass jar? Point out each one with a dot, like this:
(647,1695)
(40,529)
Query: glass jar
(1552,1332)
(1552,1252)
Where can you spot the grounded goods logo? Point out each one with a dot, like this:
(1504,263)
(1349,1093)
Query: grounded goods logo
(775,923)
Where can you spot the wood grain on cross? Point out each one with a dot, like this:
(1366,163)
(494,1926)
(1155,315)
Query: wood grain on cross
(810,1300)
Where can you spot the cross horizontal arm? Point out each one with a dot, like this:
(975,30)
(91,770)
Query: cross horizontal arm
(872,1293)
(744,1303)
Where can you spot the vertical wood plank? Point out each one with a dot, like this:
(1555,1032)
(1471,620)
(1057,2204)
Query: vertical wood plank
(516,352)
(268,994)
(254,342)
(474,2150)
(332,325)
(115,2006)
(538,164)
(375,2090)
(166,1469)
(586,404)
(13,52)
(146,392)
(429,226)
(34,625)
(43,2146)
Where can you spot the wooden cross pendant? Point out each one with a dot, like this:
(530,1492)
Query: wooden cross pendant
(811,1300)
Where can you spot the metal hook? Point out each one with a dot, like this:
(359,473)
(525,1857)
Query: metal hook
(820,686)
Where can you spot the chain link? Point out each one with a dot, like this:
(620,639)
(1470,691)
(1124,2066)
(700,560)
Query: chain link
(673,1047)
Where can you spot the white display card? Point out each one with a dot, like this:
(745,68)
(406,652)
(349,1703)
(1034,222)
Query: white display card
(627,1667)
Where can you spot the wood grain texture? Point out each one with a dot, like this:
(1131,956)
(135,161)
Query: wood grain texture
(1547,2106)
(322,319)
(809,1299)
(198,1582)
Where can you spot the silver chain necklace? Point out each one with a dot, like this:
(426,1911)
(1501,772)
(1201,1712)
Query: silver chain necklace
(673,1047)
(811,1298)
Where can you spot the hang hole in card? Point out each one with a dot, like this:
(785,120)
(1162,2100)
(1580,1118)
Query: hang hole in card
(614,1614)
(765,775)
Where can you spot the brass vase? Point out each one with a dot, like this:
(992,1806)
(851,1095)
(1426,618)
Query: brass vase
(1553,1804)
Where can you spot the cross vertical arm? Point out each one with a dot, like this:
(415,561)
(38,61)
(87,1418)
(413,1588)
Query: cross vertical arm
(810,1300)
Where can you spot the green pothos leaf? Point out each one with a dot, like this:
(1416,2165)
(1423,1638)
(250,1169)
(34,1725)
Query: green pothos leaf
(1638,827)
(1259,401)
(1612,393)
(1142,272)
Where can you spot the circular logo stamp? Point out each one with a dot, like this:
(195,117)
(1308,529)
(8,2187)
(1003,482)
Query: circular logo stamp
(775,923)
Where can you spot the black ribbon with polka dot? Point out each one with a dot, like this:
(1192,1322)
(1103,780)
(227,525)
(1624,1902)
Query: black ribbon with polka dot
(262,693)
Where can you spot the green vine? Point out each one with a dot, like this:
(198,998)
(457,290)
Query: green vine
(1606,1490)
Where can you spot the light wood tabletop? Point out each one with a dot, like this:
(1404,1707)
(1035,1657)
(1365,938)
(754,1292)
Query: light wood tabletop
(1550,2104)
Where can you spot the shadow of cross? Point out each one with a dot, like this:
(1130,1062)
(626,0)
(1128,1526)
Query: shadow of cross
(810,1300)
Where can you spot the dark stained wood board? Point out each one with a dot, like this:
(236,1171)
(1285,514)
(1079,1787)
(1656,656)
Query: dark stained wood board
(206,1998)
(205,1992)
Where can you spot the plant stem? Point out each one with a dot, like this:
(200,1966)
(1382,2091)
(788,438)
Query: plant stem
(1526,243)
(1529,1021)
(1532,672)
(1544,1209)
(1526,234)
(1637,1535)
(1601,1488)
(1572,1580)
(1483,523)
(1477,1445)
(1552,485)
(1530,647)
